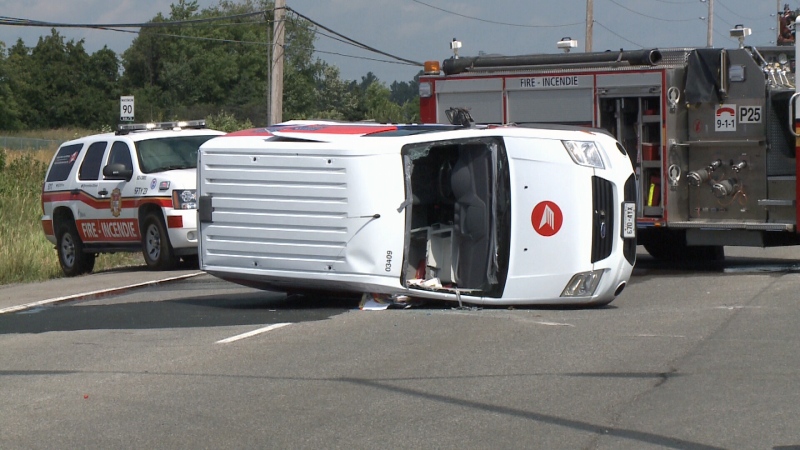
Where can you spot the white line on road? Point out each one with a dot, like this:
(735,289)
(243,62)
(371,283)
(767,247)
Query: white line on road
(554,324)
(91,294)
(274,326)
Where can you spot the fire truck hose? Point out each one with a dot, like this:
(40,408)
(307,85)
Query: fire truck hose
(647,57)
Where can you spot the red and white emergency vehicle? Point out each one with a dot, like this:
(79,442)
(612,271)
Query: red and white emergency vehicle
(132,190)
(470,214)
(712,132)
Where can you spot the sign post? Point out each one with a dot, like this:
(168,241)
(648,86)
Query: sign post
(126,108)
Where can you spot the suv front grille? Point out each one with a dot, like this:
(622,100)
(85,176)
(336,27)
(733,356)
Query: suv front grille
(602,218)
(629,245)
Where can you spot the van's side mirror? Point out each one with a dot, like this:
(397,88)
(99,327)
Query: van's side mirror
(117,171)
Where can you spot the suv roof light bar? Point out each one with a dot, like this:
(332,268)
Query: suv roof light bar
(125,128)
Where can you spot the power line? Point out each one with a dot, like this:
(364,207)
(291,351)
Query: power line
(495,22)
(334,38)
(353,41)
(649,17)
(736,14)
(13,21)
(117,27)
(617,35)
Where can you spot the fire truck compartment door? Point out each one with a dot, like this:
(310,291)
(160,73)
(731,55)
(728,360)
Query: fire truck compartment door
(482,98)
(628,84)
(550,99)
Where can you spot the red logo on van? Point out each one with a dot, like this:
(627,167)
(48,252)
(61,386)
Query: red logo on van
(547,218)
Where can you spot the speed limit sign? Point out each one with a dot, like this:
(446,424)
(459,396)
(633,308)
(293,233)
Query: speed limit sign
(126,108)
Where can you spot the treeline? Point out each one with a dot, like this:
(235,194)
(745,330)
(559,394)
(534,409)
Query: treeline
(185,72)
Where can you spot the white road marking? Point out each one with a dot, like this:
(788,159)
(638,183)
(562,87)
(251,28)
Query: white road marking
(97,293)
(274,326)
(555,324)
(660,335)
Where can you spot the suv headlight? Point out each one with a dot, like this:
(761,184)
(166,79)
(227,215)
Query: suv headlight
(584,153)
(583,284)
(184,199)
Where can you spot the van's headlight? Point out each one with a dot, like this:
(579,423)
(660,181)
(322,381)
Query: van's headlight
(583,284)
(584,153)
(184,199)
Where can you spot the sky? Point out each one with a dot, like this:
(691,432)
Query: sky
(420,30)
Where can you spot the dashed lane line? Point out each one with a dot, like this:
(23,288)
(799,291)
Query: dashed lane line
(274,326)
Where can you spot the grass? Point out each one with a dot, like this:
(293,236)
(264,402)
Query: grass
(25,255)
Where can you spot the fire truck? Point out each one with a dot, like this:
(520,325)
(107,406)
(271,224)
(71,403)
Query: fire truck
(711,132)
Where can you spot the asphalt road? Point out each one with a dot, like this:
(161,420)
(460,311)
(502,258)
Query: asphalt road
(702,356)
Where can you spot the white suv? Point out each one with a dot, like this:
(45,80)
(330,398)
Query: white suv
(126,191)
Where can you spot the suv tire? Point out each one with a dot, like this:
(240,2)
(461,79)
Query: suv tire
(70,252)
(156,248)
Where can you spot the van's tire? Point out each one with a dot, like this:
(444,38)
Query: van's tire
(156,248)
(69,247)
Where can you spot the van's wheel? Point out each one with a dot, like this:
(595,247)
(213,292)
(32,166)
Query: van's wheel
(70,251)
(156,248)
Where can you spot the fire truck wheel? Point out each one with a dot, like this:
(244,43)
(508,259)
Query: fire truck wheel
(672,247)
(70,252)
(706,253)
(156,248)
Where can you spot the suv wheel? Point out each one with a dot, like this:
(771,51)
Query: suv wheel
(70,252)
(156,248)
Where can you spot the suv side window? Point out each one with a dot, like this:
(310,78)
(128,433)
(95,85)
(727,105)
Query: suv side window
(63,162)
(90,169)
(120,154)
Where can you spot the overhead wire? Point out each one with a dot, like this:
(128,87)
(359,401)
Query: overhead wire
(720,3)
(353,41)
(496,22)
(12,21)
(616,34)
(648,16)
(366,58)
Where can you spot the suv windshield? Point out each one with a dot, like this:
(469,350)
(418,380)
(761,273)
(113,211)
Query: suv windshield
(158,155)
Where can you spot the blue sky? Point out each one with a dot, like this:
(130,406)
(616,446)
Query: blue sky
(421,30)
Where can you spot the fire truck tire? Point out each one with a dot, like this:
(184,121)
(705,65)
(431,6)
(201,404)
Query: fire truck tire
(672,247)
(71,256)
(156,248)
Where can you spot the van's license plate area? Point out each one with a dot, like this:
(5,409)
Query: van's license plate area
(628,220)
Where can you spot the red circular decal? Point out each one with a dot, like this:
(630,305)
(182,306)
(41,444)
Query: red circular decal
(547,218)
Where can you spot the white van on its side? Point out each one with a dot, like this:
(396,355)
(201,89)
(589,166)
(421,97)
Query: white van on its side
(491,215)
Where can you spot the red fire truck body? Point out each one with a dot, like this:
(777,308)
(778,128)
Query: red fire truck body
(711,132)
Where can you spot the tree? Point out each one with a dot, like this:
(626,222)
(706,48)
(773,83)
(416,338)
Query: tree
(57,84)
(200,69)
(403,92)
(187,71)
(9,110)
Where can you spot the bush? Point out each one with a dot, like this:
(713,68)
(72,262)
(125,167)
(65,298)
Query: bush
(227,122)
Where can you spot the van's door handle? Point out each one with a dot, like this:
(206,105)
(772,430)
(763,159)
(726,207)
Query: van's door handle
(75,192)
(103,192)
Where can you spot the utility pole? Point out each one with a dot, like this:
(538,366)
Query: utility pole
(590,24)
(276,66)
(710,35)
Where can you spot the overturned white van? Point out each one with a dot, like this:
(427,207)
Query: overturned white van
(490,216)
